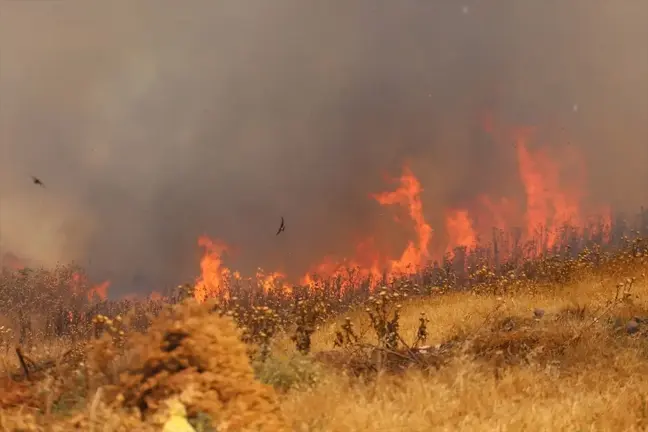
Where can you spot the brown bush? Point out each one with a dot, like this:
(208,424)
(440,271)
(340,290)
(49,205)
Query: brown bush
(192,353)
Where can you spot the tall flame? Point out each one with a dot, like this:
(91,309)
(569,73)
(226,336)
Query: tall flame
(213,273)
(550,205)
(460,230)
(408,195)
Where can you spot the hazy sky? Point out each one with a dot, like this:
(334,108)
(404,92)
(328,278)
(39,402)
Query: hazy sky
(152,122)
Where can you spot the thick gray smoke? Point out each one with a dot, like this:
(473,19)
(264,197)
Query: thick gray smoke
(152,122)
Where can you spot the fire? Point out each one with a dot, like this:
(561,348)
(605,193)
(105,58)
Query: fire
(368,264)
(408,195)
(100,290)
(550,204)
(329,267)
(213,273)
(272,280)
(499,213)
(460,230)
(78,281)
(365,266)
(75,283)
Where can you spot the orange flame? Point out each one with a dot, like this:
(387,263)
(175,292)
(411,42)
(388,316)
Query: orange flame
(272,280)
(75,283)
(460,230)
(100,291)
(213,273)
(79,280)
(364,267)
(408,195)
(550,205)
(499,214)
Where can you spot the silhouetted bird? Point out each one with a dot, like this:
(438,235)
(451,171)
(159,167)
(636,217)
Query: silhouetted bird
(37,181)
(282,227)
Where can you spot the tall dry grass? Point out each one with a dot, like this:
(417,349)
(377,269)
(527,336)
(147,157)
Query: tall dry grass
(565,371)
(557,342)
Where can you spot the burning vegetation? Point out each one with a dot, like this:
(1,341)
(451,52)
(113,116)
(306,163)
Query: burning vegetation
(410,216)
(201,348)
(497,231)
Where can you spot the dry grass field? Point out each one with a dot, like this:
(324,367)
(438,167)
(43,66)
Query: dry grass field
(562,345)
(572,369)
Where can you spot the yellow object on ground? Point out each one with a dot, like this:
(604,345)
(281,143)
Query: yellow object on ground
(177,421)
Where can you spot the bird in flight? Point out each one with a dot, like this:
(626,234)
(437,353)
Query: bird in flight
(282,227)
(37,181)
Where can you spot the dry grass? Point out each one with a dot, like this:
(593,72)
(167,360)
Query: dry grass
(559,345)
(189,355)
(604,395)
(564,371)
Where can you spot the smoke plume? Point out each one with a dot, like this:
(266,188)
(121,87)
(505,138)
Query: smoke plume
(153,122)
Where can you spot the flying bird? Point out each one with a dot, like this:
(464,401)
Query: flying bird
(282,227)
(37,181)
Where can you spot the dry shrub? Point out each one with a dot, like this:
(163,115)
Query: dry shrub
(17,422)
(193,353)
(102,417)
(522,346)
(15,394)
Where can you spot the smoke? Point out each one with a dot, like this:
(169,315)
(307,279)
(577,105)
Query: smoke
(153,122)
